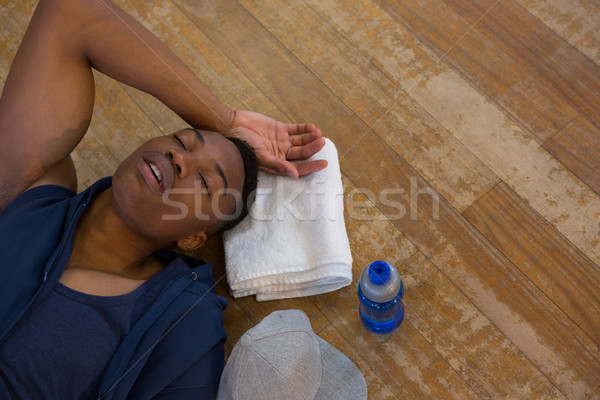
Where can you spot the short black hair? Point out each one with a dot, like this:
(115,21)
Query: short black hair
(249,189)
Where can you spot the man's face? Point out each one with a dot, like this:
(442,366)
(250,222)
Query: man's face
(175,185)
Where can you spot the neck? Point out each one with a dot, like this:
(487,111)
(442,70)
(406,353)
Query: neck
(103,242)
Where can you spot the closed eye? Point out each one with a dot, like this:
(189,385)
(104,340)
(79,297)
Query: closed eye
(180,142)
(204,183)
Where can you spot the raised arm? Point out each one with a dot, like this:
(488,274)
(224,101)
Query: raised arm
(47,101)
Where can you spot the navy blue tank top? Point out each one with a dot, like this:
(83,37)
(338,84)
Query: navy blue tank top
(62,346)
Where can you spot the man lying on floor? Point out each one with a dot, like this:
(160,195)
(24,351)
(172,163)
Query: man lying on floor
(90,305)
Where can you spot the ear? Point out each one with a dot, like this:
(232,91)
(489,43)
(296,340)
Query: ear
(192,241)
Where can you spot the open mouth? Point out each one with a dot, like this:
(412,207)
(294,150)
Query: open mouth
(156,172)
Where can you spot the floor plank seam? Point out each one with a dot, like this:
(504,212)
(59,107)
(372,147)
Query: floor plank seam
(481,197)
(561,129)
(573,173)
(549,84)
(496,327)
(404,91)
(191,20)
(350,343)
(453,66)
(526,276)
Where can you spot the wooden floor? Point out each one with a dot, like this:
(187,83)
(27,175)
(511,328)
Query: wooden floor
(469,139)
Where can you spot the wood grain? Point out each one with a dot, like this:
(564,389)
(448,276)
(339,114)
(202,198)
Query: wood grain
(211,65)
(514,87)
(553,264)
(520,310)
(500,304)
(404,360)
(8,48)
(15,16)
(375,98)
(370,231)
(477,350)
(511,152)
(574,20)
(377,389)
(445,240)
(449,322)
(534,45)
(416,373)
(296,91)
(551,189)
(577,147)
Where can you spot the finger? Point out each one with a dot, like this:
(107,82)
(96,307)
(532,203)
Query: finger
(296,153)
(278,165)
(307,168)
(300,140)
(298,129)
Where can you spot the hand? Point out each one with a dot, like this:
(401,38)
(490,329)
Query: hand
(277,144)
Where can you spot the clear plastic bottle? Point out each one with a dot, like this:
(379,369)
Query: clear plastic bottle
(380,291)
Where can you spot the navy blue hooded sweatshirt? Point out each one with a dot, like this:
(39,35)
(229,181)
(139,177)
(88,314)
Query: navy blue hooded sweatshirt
(181,330)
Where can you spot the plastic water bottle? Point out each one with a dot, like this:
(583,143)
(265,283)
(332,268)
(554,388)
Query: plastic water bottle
(380,291)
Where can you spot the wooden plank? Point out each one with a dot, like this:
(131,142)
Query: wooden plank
(369,231)
(514,87)
(15,15)
(404,360)
(8,48)
(553,264)
(548,338)
(218,20)
(376,388)
(389,46)
(534,45)
(224,79)
(484,129)
(577,147)
(552,190)
(367,91)
(575,20)
(481,354)
(93,160)
(477,351)
(459,176)
(260,56)
(118,120)
(559,348)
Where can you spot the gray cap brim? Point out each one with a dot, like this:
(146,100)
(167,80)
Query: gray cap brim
(340,379)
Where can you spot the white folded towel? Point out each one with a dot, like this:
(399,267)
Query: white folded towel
(294,241)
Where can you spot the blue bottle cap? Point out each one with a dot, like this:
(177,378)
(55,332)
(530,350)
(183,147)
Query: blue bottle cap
(379,273)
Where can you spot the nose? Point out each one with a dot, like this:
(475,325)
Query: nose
(179,161)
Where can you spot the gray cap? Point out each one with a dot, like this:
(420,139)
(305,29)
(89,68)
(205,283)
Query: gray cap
(282,358)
